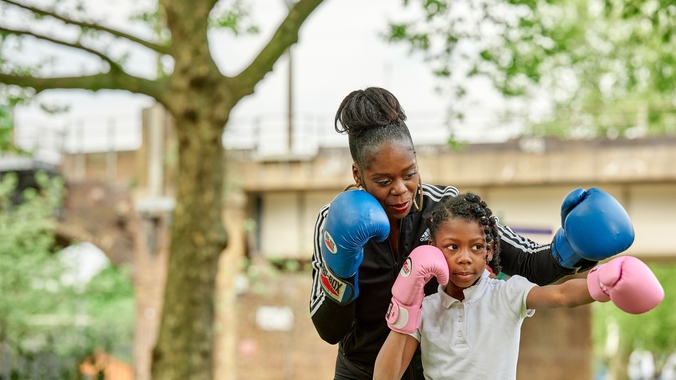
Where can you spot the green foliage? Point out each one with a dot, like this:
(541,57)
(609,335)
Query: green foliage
(109,303)
(110,290)
(28,285)
(653,331)
(593,59)
(455,144)
(6,127)
(234,16)
(44,319)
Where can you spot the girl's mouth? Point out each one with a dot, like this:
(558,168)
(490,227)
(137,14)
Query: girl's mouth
(463,275)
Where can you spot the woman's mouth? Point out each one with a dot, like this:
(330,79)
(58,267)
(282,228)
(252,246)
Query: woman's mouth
(400,207)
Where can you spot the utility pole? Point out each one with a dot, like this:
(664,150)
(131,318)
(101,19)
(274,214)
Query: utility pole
(289,110)
(289,127)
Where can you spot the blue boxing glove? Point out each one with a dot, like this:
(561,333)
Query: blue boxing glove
(594,227)
(354,218)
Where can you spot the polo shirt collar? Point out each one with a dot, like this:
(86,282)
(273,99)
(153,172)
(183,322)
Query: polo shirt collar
(471,293)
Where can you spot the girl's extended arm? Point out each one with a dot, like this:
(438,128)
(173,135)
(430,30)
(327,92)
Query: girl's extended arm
(394,356)
(571,293)
(625,280)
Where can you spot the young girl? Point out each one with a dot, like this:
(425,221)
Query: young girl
(470,329)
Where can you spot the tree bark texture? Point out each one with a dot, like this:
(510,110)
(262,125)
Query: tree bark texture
(185,345)
(184,348)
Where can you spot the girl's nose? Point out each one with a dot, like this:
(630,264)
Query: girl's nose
(464,257)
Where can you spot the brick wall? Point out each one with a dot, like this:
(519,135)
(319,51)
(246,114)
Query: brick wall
(298,353)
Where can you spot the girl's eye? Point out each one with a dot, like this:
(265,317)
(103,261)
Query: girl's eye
(384,182)
(478,247)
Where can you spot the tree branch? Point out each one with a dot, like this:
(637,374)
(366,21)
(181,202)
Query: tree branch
(113,65)
(285,36)
(163,49)
(114,80)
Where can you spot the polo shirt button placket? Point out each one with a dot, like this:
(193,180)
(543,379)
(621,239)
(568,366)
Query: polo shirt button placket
(461,325)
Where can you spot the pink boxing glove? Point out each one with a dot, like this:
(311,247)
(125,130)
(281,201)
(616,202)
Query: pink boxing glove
(628,282)
(408,290)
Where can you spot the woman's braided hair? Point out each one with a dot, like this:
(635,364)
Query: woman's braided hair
(472,208)
(371,117)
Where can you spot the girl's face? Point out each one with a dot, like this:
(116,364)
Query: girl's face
(463,243)
(392,178)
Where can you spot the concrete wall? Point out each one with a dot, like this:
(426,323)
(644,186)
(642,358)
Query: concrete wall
(287,223)
(524,182)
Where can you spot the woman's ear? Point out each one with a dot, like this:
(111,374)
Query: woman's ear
(355,175)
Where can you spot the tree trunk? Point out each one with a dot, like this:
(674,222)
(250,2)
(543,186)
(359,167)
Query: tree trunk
(185,343)
(200,99)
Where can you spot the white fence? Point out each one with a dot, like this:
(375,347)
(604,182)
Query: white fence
(267,134)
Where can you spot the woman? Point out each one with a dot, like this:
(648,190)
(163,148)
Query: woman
(385,166)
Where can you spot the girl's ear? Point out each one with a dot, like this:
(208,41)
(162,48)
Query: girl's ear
(489,257)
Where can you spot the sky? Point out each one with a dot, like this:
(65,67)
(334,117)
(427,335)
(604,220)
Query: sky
(339,50)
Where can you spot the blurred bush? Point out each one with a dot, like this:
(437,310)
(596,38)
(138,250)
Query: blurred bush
(48,324)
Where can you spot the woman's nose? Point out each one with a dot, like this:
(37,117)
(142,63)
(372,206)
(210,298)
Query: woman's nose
(398,187)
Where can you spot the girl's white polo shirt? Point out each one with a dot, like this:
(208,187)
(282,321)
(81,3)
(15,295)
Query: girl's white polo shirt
(477,338)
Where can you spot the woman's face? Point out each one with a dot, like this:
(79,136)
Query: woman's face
(392,178)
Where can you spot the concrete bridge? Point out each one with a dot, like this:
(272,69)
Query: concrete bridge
(523,181)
